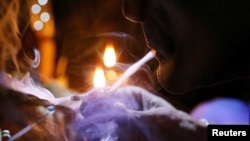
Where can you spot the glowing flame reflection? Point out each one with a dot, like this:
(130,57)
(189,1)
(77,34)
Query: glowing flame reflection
(99,78)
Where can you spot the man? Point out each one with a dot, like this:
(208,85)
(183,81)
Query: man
(202,44)
(203,53)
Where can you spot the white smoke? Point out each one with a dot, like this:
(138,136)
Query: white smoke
(27,85)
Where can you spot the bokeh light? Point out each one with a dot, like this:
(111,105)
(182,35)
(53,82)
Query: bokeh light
(36,8)
(45,16)
(38,25)
(42,2)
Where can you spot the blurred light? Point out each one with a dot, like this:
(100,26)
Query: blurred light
(38,25)
(222,110)
(42,2)
(47,65)
(111,75)
(35,8)
(109,56)
(99,78)
(45,16)
(61,78)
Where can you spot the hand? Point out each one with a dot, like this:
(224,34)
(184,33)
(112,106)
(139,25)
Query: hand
(132,113)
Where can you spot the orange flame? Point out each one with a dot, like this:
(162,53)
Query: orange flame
(109,57)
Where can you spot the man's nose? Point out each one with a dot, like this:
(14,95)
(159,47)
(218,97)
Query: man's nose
(134,10)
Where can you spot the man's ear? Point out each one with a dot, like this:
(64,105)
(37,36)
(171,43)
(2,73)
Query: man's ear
(134,10)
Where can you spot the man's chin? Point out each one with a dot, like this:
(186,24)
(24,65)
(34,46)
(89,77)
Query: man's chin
(167,78)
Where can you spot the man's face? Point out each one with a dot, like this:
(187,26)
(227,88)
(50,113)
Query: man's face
(194,39)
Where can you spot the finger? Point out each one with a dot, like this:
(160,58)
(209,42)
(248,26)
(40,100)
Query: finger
(170,124)
(147,99)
